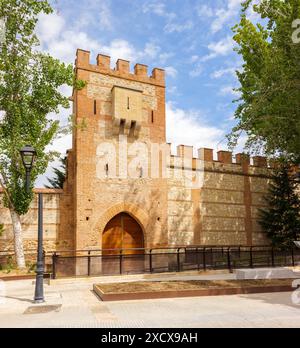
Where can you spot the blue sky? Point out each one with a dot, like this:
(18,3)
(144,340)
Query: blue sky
(191,39)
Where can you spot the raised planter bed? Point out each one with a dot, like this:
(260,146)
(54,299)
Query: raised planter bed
(173,289)
(7,278)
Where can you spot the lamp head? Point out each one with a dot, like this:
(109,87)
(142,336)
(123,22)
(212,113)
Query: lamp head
(28,155)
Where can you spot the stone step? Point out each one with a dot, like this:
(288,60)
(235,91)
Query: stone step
(267,273)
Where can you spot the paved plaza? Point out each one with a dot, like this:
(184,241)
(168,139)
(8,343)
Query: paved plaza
(71,303)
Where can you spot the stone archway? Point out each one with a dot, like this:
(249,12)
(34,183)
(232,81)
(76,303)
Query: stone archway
(122,232)
(132,210)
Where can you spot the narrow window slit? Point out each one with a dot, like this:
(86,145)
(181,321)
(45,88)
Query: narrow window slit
(95,107)
(122,126)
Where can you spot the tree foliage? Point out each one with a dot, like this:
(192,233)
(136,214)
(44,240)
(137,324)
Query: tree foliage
(281,220)
(57,182)
(29,91)
(1,230)
(269,107)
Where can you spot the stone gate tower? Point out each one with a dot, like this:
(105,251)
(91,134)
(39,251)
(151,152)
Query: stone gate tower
(116,107)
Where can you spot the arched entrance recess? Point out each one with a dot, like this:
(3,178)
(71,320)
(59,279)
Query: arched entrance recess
(123,232)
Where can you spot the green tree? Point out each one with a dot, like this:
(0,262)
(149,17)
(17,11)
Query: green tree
(29,91)
(57,182)
(281,220)
(1,230)
(269,107)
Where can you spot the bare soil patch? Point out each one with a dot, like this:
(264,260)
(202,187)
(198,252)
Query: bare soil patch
(159,286)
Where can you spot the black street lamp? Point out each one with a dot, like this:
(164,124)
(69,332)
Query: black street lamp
(28,155)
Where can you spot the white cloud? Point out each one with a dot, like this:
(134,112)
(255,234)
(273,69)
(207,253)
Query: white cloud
(196,133)
(172,27)
(105,16)
(228,13)
(205,11)
(197,71)
(155,7)
(224,71)
(65,48)
(158,9)
(173,90)
(151,50)
(170,71)
(95,13)
(163,57)
(125,50)
(223,15)
(62,43)
(50,27)
(194,59)
(228,90)
(220,48)
(119,49)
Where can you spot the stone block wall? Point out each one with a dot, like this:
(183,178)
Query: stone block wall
(54,237)
(224,209)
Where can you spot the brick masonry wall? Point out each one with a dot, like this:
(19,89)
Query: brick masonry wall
(222,210)
(54,238)
(96,196)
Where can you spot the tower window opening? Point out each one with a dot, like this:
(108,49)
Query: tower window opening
(128,103)
(152,116)
(95,107)
(122,126)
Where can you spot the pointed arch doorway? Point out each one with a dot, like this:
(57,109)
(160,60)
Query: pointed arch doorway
(122,232)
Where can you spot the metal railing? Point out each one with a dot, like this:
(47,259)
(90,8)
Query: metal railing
(173,259)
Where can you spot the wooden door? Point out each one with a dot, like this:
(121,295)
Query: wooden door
(122,232)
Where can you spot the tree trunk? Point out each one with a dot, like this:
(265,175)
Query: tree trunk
(17,228)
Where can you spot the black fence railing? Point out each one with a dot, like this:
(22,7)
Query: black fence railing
(8,260)
(174,259)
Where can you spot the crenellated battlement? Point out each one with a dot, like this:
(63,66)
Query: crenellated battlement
(122,68)
(223,157)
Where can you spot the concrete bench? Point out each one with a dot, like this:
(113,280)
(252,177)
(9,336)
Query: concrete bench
(267,273)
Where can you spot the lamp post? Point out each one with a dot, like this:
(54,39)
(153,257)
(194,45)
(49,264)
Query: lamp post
(28,155)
